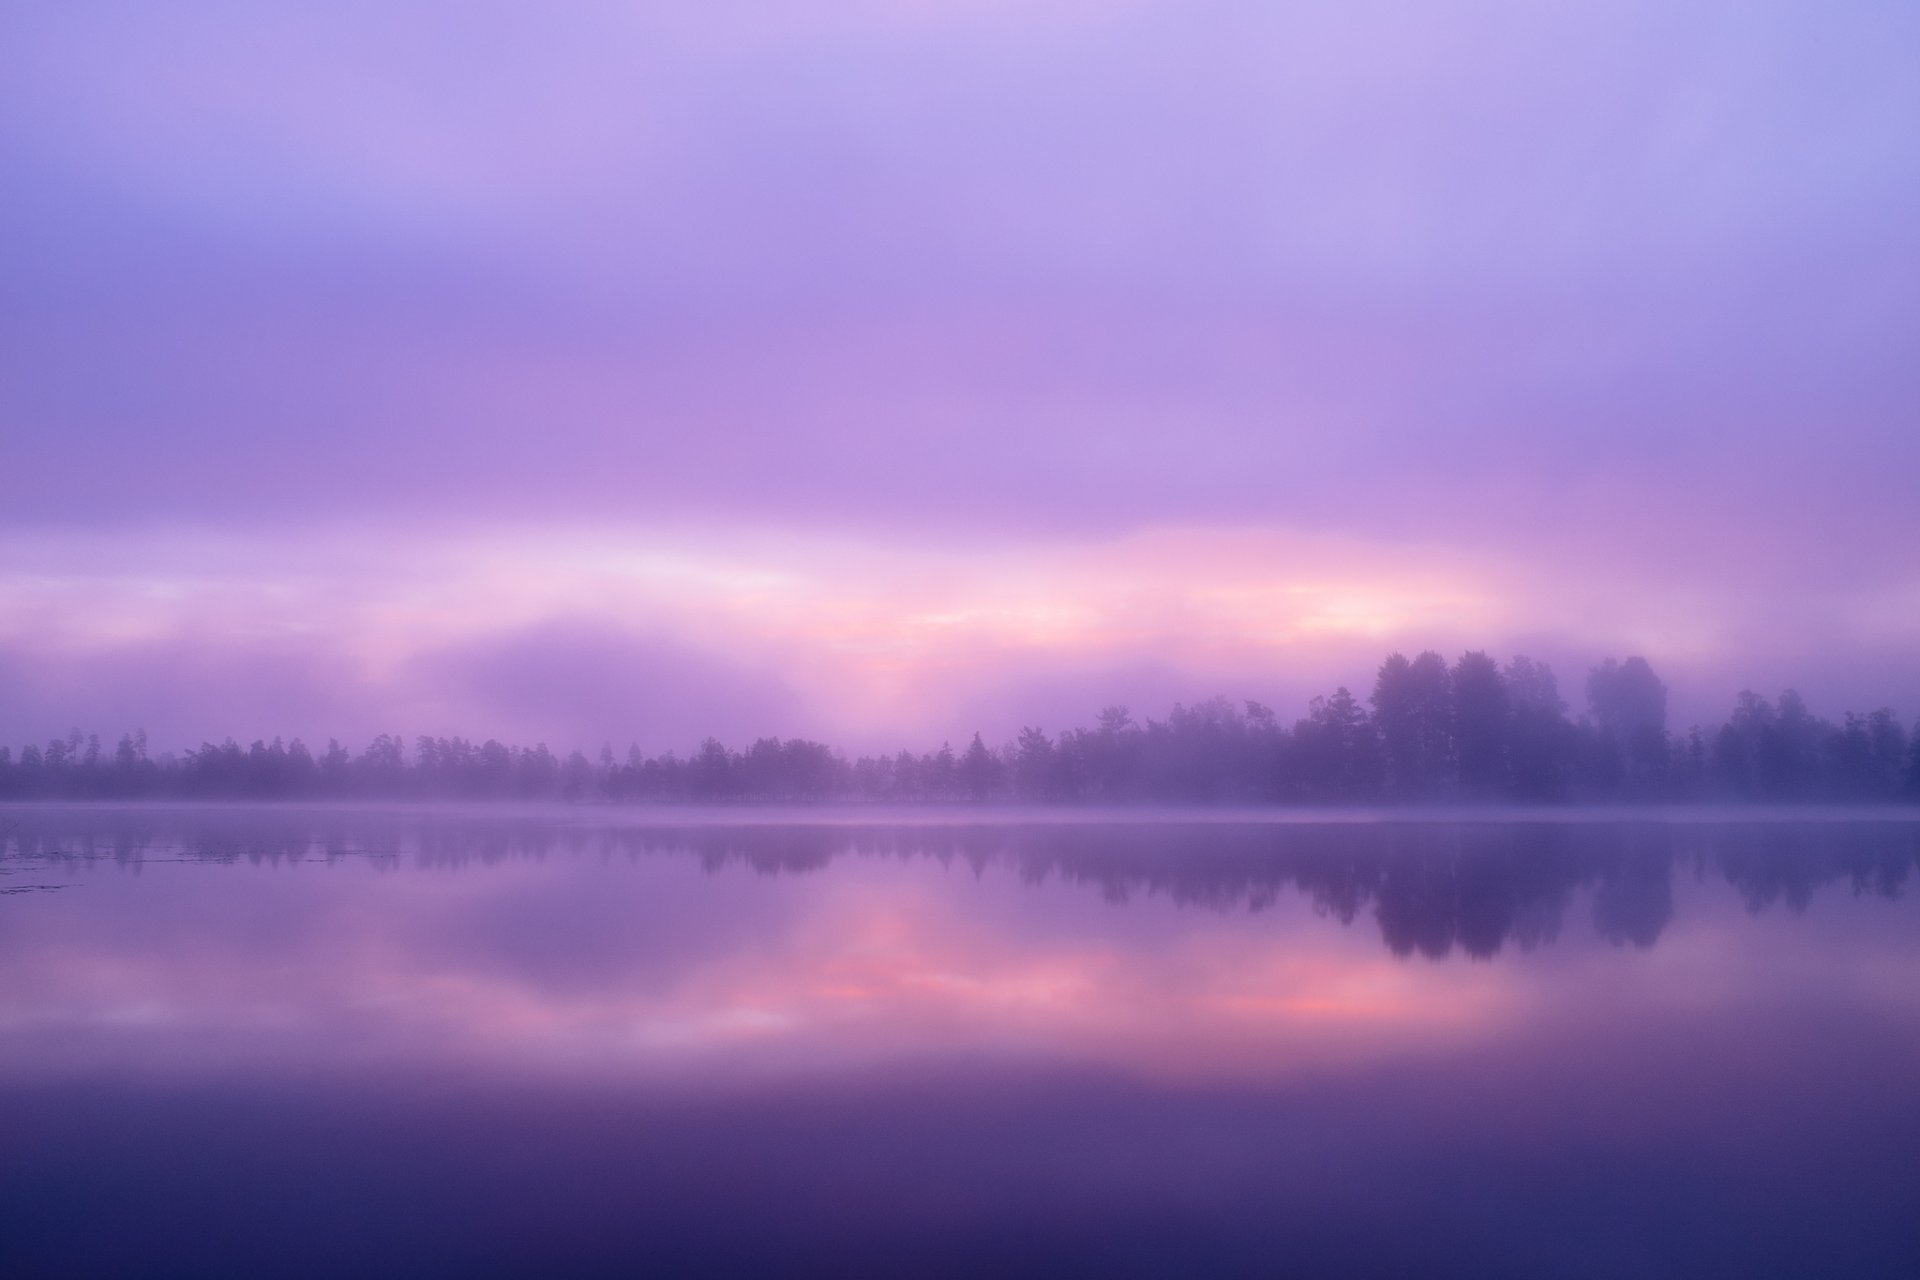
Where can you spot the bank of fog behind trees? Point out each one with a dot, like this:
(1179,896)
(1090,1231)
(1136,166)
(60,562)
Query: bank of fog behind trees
(1428,732)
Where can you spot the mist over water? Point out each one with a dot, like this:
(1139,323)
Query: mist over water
(443,1040)
(952,638)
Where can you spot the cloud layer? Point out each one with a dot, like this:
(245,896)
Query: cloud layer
(1502,326)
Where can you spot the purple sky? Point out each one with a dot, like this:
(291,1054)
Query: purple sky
(894,368)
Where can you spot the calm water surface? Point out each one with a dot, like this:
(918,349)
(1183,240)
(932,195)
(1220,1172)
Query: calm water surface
(592,1042)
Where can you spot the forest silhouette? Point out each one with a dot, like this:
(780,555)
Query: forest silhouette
(1473,731)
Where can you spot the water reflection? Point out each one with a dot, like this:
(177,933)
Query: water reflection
(328,1042)
(1185,950)
(1433,887)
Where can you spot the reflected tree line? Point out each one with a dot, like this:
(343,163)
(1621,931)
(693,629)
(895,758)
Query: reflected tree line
(1434,889)
(1429,731)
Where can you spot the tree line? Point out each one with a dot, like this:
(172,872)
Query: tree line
(1429,732)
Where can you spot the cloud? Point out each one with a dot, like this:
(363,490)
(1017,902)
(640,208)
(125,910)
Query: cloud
(1594,319)
(186,690)
(664,636)
(573,681)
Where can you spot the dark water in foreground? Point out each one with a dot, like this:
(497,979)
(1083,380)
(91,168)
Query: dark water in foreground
(347,1043)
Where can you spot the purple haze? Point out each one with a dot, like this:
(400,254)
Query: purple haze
(894,369)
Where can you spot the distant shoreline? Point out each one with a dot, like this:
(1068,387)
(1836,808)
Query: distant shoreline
(932,813)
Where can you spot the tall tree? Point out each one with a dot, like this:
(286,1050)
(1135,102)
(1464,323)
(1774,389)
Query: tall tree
(1430,687)
(1538,734)
(1480,725)
(1629,707)
(977,770)
(1337,753)
(1393,721)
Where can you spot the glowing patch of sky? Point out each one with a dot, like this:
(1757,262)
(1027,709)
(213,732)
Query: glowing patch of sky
(906,361)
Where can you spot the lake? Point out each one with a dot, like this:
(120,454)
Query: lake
(597,1041)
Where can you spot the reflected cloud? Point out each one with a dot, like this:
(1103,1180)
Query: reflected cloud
(549,940)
